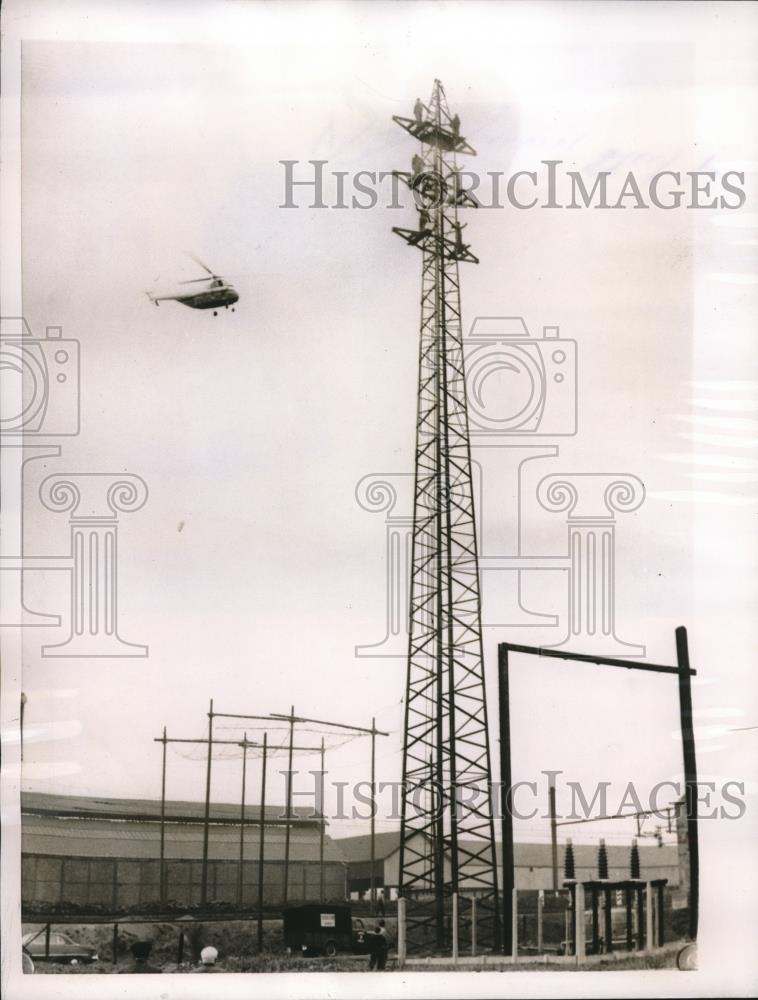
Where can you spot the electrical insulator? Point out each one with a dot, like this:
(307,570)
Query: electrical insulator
(602,861)
(634,860)
(569,867)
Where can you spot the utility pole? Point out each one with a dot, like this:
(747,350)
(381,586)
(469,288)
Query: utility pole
(506,801)
(445,703)
(373,815)
(690,774)
(553,834)
(24,700)
(291,748)
(322,829)
(206,821)
(245,745)
(288,820)
(209,742)
(261,845)
(164,741)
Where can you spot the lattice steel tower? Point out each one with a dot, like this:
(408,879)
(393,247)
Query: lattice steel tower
(447,834)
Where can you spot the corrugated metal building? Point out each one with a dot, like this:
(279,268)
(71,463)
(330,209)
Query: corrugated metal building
(106,853)
(533,863)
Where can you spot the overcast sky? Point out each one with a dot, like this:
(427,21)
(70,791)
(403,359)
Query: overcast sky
(252,573)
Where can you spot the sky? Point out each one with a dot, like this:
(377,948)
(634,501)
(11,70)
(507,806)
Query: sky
(252,572)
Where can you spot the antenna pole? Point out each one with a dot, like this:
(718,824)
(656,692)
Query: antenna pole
(289,806)
(261,846)
(206,821)
(164,741)
(245,745)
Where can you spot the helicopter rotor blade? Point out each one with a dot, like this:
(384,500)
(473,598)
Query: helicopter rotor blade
(203,265)
(191,281)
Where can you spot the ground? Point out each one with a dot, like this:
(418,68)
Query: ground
(236,940)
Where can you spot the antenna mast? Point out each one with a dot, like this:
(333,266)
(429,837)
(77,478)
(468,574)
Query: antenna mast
(447,827)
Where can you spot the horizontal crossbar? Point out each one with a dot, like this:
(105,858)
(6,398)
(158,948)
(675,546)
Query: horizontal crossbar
(606,661)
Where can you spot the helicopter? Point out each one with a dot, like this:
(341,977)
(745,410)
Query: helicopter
(218,293)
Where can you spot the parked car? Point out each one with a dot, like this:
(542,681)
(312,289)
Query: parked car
(62,948)
(323,929)
(360,941)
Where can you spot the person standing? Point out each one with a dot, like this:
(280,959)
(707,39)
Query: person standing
(372,940)
(383,946)
(141,953)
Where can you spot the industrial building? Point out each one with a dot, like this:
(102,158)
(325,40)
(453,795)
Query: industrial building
(533,863)
(105,853)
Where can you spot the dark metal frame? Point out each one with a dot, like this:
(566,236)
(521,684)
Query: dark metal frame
(633,889)
(684,674)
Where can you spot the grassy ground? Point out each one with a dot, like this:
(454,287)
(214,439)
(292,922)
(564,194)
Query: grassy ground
(236,942)
(267,962)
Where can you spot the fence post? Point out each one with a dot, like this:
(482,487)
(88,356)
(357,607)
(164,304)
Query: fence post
(579,946)
(401,933)
(114,959)
(540,907)
(473,925)
(640,918)
(514,924)
(649,939)
(455,928)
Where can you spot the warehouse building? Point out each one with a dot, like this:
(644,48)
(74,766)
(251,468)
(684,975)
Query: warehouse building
(533,863)
(106,853)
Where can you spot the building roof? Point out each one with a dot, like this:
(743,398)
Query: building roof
(43,804)
(359,848)
(527,855)
(139,840)
(75,826)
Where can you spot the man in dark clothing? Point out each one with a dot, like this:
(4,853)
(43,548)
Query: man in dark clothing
(372,940)
(141,953)
(383,946)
